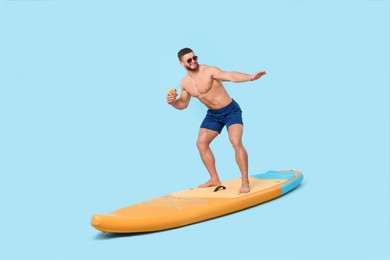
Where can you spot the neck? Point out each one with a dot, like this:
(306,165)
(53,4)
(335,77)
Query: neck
(193,73)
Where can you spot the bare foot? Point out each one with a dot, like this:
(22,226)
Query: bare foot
(244,187)
(210,183)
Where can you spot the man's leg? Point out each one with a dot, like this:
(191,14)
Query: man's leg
(235,136)
(205,137)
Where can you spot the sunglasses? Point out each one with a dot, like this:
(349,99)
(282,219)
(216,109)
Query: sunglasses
(195,58)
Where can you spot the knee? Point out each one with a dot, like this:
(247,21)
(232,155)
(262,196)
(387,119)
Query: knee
(236,143)
(201,144)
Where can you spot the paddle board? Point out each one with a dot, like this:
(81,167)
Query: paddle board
(197,204)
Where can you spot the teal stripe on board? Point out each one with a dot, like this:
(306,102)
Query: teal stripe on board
(291,184)
(275,175)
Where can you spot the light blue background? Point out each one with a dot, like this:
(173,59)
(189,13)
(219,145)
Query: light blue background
(85,128)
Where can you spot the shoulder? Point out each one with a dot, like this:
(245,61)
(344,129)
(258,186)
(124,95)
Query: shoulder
(211,70)
(184,82)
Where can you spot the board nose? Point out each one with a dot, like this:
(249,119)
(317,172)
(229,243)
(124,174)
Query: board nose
(95,220)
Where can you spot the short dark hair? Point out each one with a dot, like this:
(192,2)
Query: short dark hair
(183,52)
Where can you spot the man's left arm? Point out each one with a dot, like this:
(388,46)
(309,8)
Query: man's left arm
(234,76)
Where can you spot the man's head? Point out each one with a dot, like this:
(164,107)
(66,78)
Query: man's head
(188,59)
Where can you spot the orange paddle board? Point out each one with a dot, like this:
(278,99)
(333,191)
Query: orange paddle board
(197,204)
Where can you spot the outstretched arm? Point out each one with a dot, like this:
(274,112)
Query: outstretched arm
(180,103)
(234,76)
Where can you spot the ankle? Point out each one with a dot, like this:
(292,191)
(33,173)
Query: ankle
(245,180)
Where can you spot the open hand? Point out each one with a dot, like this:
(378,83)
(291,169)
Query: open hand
(258,75)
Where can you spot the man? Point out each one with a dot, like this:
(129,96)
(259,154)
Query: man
(205,83)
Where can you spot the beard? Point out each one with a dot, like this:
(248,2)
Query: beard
(188,67)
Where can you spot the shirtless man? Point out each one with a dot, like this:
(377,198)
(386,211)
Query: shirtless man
(205,83)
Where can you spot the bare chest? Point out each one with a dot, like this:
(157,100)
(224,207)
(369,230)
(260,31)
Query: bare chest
(200,86)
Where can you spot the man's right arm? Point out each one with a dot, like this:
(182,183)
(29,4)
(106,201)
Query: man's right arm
(180,103)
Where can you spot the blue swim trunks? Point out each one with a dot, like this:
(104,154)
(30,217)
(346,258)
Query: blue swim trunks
(216,119)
